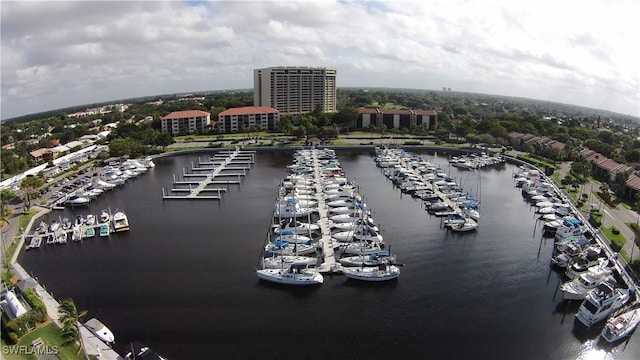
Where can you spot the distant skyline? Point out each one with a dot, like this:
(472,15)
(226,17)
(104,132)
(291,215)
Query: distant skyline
(57,54)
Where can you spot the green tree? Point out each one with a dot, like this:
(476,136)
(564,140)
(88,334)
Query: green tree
(70,318)
(285,124)
(29,188)
(6,196)
(121,147)
(346,117)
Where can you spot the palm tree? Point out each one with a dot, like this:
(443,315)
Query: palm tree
(70,319)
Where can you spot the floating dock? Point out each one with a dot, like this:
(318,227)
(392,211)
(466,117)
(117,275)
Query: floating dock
(214,171)
(328,264)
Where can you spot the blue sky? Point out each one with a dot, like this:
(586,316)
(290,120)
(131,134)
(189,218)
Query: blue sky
(58,53)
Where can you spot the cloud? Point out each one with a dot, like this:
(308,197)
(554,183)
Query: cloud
(58,54)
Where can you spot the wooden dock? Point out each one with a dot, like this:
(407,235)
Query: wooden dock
(212,172)
(328,264)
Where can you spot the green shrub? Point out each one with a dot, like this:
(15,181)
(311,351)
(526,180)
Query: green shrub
(13,338)
(615,231)
(412,142)
(34,300)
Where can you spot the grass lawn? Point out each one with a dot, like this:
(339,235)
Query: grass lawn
(617,239)
(50,334)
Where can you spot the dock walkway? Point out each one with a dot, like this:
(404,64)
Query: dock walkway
(198,183)
(329,263)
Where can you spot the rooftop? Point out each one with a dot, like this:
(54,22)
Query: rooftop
(249,110)
(185,114)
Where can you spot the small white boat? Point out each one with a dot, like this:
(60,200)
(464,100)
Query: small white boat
(90,220)
(100,330)
(76,234)
(364,233)
(61,238)
(468,225)
(104,230)
(295,226)
(382,272)
(120,222)
(104,216)
(362,248)
(55,225)
(89,232)
(621,326)
(578,288)
(296,274)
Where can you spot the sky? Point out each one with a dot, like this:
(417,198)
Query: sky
(57,54)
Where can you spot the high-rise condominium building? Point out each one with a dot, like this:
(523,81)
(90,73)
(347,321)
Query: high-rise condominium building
(295,90)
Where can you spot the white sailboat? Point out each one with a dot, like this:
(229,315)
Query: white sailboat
(296,274)
(383,272)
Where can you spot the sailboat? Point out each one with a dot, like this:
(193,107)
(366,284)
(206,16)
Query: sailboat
(296,274)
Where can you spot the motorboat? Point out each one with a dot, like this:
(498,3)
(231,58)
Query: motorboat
(578,288)
(61,238)
(104,230)
(296,274)
(382,272)
(42,228)
(142,352)
(66,224)
(600,302)
(100,330)
(583,264)
(104,216)
(78,221)
(570,228)
(77,200)
(76,233)
(468,225)
(90,219)
(119,221)
(621,326)
(285,261)
(51,239)
(89,232)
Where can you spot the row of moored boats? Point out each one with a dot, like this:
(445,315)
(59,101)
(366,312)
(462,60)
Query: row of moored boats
(590,273)
(442,196)
(111,177)
(82,228)
(321,224)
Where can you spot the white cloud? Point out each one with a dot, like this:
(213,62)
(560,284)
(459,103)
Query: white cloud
(58,54)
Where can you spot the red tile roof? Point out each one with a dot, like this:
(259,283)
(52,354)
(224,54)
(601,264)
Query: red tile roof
(557,145)
(185,114)
(608,164)
(249,110)
(515,135)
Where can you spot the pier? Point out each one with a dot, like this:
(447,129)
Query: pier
(328,263)
(211,172)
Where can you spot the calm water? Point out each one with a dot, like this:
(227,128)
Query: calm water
(183,281)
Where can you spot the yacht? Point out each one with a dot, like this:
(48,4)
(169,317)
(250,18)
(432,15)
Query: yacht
(578,288)
(77,200)
(284,248)
(570,228)
(621,326)
(100,330)
(296,274)
(600,302)
(354,224)
(468,225)
(90,219)
(55,225)
(104,230)
(382,272)
(104,216)
(119,221)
